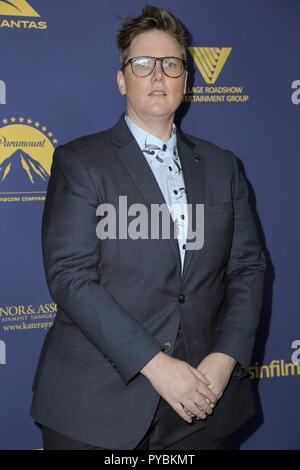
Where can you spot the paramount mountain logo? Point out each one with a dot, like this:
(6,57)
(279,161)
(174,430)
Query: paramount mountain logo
(19,8)
(210,62)
(21,169)
(26,151)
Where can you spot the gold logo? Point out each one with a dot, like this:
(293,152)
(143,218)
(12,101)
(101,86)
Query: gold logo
(14,318)
(17,8)
(26,151)
(210,61)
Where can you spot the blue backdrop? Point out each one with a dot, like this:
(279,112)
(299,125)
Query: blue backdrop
(58,63)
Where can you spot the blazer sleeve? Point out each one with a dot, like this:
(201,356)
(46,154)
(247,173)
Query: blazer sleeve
(244,278)
(71,253)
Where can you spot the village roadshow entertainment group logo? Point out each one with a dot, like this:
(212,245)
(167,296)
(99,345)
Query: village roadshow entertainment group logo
(210,62)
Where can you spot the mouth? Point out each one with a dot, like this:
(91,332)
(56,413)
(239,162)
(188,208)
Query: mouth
(157,93)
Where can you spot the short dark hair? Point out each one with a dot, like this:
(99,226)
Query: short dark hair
(151,18)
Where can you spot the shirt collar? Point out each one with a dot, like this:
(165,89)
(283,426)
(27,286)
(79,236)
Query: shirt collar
(144,138)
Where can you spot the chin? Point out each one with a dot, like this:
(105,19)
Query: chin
(159,111)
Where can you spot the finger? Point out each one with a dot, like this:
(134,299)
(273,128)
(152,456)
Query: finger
(218,395)
(188,412)
(200,413)
(203,404)
(203,414)
(200,417)
(200,376)
(209,403)
(207,393)
(195,409)
(192,410)
(209,385)
(182,413)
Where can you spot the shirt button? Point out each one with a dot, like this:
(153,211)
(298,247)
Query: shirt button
(182,216)
(167,347)
(184,246)
(170,168)
(181,298)
(175,191)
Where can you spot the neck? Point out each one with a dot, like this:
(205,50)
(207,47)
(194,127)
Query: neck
(161,128)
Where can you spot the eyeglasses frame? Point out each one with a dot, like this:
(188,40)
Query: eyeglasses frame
(160,59)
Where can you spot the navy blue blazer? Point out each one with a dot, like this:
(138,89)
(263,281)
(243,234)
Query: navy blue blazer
(120,301)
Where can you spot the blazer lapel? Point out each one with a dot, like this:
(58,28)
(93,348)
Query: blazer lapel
(193,166)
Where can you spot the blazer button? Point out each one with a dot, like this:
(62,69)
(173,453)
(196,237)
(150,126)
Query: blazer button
(167,347)
(181,298)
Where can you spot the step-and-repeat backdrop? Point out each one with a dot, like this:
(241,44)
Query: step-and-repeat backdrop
(58,64)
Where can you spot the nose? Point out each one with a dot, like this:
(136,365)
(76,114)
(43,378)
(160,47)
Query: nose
(157,73)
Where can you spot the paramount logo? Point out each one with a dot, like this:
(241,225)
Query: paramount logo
(26,152)
(23,167)
(21,143)
(19,8)
(2,92)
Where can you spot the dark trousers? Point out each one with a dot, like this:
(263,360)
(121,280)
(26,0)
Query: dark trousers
(52,440)
(167,430)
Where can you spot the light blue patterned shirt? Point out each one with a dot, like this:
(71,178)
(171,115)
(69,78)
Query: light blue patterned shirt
(164,162)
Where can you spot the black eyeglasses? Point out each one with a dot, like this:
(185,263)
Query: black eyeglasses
(143,66)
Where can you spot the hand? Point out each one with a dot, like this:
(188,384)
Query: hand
(181,385)
(217,368)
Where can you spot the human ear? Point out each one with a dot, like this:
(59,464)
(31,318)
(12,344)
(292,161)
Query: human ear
(121,82)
